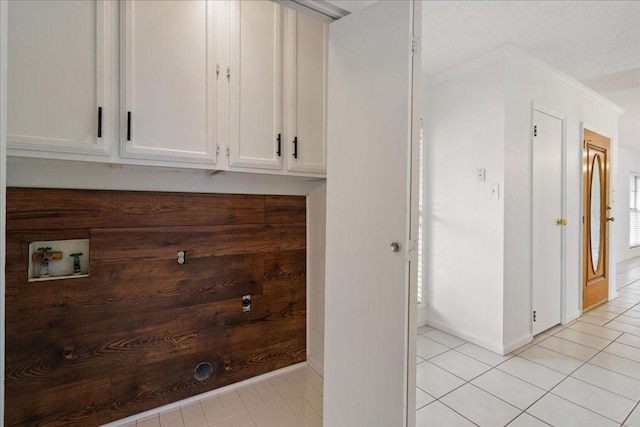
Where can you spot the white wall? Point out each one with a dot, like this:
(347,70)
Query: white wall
(533,82)
(3,171)
(628,161)
(478,249)
(316,231)
(464,131)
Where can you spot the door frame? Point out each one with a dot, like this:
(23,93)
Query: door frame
(4,6)
(563,212)
(611,291)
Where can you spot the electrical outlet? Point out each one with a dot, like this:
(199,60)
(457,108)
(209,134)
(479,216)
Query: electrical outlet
(481,174)
(246,303)
(494,190)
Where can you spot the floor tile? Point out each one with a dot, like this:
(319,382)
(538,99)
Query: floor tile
(423,329)
(609,380)
(211,403)
(444,338)
(312,421)
(526,420)
(153,421)
(191,410)
(583,338)
(241,420)
(460,365)
(594,320)
(557,411)
(568,348)
(617,364)
(482,354)
(628,339)
(435,380)
(594,398)
(422,398)
(603,314)
(622,304)
(632,313)
(170,417)
(598,331)
(269,421)
(437,414)
(610,309)
(521,349)
(634,418)
(512,390)
(623,350)
(197,421)
(628,319)
(532,373)
(216,415)
(427,348)
(552,359)
(624,327)
(480,407)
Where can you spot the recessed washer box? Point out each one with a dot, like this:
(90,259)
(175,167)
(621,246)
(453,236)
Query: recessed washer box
(58,259)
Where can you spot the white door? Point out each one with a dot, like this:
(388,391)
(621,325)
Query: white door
(548,220)
(255,134)
(58,78)
(367,284)
(168,89)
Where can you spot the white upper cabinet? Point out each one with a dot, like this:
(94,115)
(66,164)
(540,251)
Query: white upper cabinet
(305,89)
(255,134)
(168,84)
(58,79)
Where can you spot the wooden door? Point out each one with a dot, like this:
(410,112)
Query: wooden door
(548,220)
(255,77)
(305,93)
(595,285)
(168,91)
(58,78)
(367,290)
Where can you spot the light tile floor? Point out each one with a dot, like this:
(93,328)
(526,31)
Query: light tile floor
(586,373)
(291,399)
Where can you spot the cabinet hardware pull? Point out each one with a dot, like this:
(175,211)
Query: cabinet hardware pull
(279,139)
(295,147)
(128,125)
(99,122)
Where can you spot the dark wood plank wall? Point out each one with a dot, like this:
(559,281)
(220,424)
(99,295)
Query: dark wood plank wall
(88,351)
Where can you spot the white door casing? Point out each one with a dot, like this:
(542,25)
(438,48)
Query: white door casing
(368,202)
(548,218)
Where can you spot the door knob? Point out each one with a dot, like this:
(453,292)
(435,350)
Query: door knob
(611,219)
(561,221)
(395,247)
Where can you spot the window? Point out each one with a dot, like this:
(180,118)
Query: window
(634,199)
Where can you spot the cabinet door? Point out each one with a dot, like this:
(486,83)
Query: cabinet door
(256,85)
(168,82)
(58,78)
(305,92)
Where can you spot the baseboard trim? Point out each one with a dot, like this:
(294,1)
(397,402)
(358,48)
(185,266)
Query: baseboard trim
(496,348)
(192,399)
(514,345)
(315,365)
(571,317)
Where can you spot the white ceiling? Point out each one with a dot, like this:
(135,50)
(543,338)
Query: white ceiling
(595,42)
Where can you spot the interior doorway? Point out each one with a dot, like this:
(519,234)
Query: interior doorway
(596,219)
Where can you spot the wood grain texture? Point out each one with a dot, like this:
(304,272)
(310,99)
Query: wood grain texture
(126,339)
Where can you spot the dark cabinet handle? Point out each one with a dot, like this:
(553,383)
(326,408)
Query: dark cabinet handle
(99,122)
(279,139)
(128,125)
(295,147)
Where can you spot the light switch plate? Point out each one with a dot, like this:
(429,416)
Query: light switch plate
(494,190)
(481,174)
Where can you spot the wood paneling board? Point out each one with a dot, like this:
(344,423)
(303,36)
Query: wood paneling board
(286,209)
(87,351)
(33,208)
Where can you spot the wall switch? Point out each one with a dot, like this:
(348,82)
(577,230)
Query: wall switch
(481,174)
(494,190)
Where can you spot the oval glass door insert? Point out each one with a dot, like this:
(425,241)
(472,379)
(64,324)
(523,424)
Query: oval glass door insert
(596,212)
